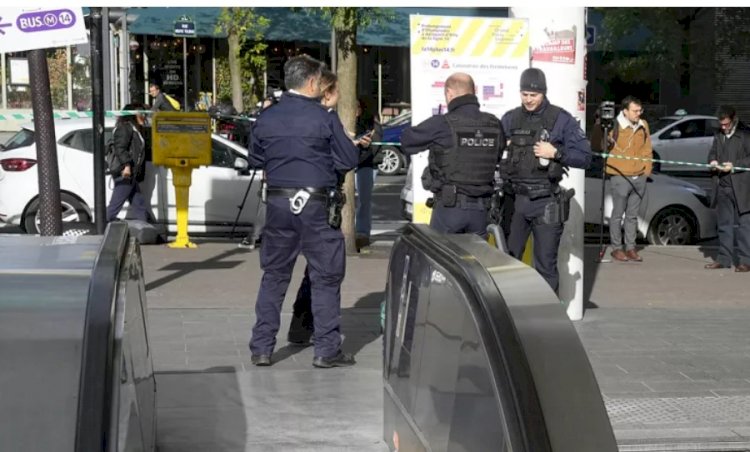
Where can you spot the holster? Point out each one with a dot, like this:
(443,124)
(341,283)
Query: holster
(497,202)
(557,211)
(334,203)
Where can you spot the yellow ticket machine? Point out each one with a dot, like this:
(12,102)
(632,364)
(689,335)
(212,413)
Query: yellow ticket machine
(181,142)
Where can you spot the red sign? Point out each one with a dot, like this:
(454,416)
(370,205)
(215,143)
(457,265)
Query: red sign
(556,51)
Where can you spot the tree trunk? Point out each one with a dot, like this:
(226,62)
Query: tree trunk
(235,71)
(347,109)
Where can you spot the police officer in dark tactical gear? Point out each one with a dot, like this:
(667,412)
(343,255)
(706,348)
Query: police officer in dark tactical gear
(543,141)
(465,146)
(303,147)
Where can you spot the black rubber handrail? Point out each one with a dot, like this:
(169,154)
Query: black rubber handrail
(510,368)
(94,393)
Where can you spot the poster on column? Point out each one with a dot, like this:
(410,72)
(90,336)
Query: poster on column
(494,51)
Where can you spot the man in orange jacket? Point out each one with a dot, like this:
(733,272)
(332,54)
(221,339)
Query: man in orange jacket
(628,177)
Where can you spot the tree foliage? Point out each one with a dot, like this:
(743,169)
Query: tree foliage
(345,23)
(57,65)
(245,30)
(677,39)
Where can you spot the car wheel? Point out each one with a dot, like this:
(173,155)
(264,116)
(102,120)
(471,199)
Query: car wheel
(672,226)
(73,210)
(657,165)
(392,162)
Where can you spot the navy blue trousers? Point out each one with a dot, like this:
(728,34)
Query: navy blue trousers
(466,217)
(285,235)
(546,236)
(127,190)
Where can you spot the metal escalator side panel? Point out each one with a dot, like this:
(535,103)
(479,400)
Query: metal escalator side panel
(95,389)
(454,371)
(574,412)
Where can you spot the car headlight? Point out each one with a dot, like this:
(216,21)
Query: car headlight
(703,199)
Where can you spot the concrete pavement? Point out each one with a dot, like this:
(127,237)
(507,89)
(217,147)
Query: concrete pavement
(667,340)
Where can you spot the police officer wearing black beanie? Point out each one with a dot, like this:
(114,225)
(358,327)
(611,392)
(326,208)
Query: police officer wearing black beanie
(544,140)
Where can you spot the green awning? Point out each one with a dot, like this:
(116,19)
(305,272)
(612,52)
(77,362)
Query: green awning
(299,24)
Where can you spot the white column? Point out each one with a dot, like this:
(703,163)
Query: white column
(558,48)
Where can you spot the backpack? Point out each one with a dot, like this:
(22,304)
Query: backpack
(172,101)
(112,162)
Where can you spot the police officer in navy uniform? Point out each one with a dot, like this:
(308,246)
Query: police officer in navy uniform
(544,140)
(465,146)
(303,148)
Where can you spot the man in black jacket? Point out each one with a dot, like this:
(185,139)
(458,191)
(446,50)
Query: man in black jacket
(465,146)
(731,193)
(160,100)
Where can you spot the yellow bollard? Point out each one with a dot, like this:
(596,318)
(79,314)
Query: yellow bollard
(181,179)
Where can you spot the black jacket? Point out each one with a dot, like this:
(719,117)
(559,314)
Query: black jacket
(736,149)
(300,144)
(130,147)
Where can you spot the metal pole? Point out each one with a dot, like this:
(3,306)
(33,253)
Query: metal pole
(184,73)
(106,59)
(97,105)
(145,70)
(5,85)
(380,87)
(213,71)
(50,214)
(333,50)
(69,63)
(124,61)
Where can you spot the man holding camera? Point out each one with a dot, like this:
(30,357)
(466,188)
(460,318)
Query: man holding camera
(544,140)
(303,148)
(465,146)
(630,137)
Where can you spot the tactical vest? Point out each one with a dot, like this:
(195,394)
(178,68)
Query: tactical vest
(474,155)
(525,131)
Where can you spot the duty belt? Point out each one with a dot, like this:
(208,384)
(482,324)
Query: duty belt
(318,193)
(533,191)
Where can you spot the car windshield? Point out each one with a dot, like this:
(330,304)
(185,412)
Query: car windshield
(22,138)
(662,123)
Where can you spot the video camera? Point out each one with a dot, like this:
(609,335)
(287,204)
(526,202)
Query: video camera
(607,114)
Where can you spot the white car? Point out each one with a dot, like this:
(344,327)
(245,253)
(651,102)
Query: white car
(673,212)
(215,195)
(685,138)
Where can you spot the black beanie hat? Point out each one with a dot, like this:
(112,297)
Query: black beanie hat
(532,79)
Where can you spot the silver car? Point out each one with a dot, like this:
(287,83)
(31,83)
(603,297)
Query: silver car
(685,138)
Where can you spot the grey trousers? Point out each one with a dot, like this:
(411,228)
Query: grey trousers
(627,194)
(732,227)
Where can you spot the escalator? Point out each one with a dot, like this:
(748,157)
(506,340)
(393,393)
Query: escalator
(479,354)
(77,370)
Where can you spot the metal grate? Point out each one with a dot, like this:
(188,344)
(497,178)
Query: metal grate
(679,410)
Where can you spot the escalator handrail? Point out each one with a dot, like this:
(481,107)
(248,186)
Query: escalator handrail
(510,368)
(95,389)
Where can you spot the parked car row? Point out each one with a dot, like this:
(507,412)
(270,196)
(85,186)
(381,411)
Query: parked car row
(215,194)
(673,212)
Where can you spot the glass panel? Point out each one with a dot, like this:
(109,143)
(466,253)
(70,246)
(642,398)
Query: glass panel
(23,137)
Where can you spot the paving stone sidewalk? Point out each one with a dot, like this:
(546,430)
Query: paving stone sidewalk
(667,340)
